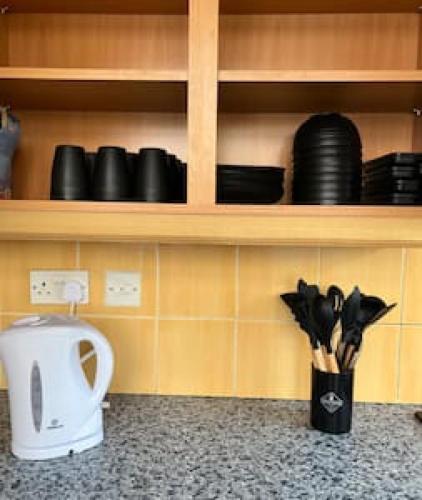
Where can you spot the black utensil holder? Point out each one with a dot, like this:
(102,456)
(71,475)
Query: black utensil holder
(332,401)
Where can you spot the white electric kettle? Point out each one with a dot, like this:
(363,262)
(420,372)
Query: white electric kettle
(53,409)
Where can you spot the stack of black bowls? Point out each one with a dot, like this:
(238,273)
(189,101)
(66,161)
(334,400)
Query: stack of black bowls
(327,161)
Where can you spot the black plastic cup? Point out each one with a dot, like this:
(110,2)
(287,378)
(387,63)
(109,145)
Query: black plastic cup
(69,176)
(183,181)
(152,178)
(172,164)
(111,180)
(90,164)
(332,401)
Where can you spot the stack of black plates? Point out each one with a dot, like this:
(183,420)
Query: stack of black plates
(327,161)
(240,184)
(393,179)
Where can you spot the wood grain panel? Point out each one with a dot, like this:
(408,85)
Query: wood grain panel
(42,131)
(417,127)
(4,41)
(127,95)
(202,102)
(98,41)
(304,6)
(328,41)
(273,225)
(266,139)
(317,97)
(101,6)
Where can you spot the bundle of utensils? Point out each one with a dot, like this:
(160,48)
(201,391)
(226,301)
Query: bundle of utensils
(334,324)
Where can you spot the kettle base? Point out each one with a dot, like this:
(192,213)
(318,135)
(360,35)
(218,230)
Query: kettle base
(63,450)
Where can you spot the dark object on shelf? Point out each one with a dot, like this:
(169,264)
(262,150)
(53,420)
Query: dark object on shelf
(393,179)
(152,177)
(70,176)
(332,401)
(327,161)
(111,179)
(418,416)
(391,199)
(181,187)
(380,186)
(246,185)
(10,132)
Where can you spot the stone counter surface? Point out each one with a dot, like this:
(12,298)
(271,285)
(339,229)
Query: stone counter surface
(175,447)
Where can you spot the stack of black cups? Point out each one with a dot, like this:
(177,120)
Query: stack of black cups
(113,174)
(327,161)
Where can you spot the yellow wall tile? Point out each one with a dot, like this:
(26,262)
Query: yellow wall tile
(97,258)
(196,357)
(18,258)
(410,389)
(377,368)
(197,281)
(375,271)
(274,360)
(133,344)
(412,312)
(266,272)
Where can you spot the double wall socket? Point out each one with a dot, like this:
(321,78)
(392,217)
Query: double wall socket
(47,287)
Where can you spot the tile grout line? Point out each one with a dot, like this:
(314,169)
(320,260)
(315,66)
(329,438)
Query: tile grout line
(186,318)
(156,360)
(402,302)
(236,318)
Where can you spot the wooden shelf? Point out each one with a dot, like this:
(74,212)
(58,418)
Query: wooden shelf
(94,89)
(319,90)
(99,6)
(313,6)
(264,225)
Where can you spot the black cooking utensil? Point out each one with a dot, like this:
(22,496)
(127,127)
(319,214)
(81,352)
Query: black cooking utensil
(348,319)
(371,310)
(325,320)
(298,304)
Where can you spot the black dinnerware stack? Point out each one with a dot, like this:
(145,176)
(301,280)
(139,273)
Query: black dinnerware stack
(327,161)
(112,174)
(393,179)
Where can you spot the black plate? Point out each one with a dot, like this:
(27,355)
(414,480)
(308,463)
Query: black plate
(395,159)
(328,152)
(411,186)
(393,171)
(318,177)
(392,199)
(326,201)
(239,184)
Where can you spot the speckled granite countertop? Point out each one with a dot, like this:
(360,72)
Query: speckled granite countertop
(165,447)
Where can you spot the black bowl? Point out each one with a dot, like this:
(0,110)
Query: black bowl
(70,177)
(111,179)
(152,177)
(331,127)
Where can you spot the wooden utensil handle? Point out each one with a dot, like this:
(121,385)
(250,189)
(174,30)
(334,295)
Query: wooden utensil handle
(348,357)
(318,359)
(332,363)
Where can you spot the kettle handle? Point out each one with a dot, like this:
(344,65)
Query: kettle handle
(105,363)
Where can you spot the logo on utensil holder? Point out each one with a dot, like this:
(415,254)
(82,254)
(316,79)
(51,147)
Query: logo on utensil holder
(331,402)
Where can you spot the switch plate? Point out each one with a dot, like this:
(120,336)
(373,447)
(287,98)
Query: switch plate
(123,289)
(47,287)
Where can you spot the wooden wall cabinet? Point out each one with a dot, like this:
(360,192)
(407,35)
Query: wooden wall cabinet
(213,81)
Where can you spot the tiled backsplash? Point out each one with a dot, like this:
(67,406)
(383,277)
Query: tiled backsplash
(211,321)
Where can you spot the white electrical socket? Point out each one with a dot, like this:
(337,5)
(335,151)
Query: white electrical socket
(123,289)
(47,287)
